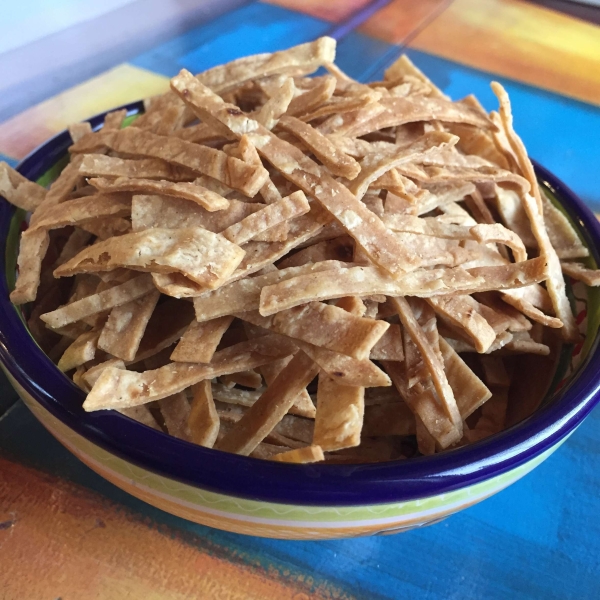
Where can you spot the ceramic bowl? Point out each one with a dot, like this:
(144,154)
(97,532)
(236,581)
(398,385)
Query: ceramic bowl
(279,500)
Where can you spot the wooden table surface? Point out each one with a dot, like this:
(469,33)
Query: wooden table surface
(66,533)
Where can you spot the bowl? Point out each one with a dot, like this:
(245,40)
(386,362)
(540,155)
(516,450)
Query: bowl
(280,500)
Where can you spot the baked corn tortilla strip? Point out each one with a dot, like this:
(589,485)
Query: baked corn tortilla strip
(175,411)
(186,190)
(91,375)
(513,215)
(78,212)
(114,119)
(232,172)
(100,165)
(579,272)
(431,359)
(393,418)
(298,60)
(203,421)
(335,160)
(355,306)
(523,343)
(389,346)
(563,236)
(249,379)
(270,112)
(442,195)
(463,312)
(106,227)
(142,415)
(117,388)
(200,340)
(340,248)
(78,130)
(80,351)
(271,407)
(496,233)
(375,165)
(125,326)
(206,258)
(338,106)
(18,190)
(305,455)
(99,302)
(470,392)
(270,216)
(403,67)
(364,226)
(369,281)
(339,418)
(320,92)
(244,294)
(32,249)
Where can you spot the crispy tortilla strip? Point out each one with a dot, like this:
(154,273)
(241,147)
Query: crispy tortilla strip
(96,303)
(200,340)
(203,421)
(320,92)
(78,130)
(99,165)
(244,295)
(270,216)
(463,312)
(299,60)
(493,416)
(340,248)
(125,327)
(364,226)
(120,389)
(339,418)
(175,411)
(563,236)
(18,190)
(393,418)
(91,375)
(375,165)
(355,306)
(32,249)
(513,215)
(232,172)
(271,111)
(80,211)
(189,191)
(431,359)
(403,67)
(249,379)
(80,351)
(523,343)
(389,346)
(308,454)
(271,407)
(498,234)
(578,272)
(470,392)
(494,371)
(142,415)
(368,281)
(114,119)
(106,227)
(204,257)
(338,106)
(335,160)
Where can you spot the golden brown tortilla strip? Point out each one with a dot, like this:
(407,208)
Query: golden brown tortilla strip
(80,351)
(91,375)
(18,190)
(271,407)
(175,411)
(403,67)
(78,130)
(271,111)
(32,249)
(204,257)
(249,379)
(579,272)
(100,165)
(106,227)
(320,92)
(200,340)
(308,454)
(125,327)
(203,421)
(114,119)
(563,236)
(340,249)
(389,346)
(498,234)
(96,303)
(142,415)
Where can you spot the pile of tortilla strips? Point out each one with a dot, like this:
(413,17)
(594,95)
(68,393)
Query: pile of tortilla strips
(302,268)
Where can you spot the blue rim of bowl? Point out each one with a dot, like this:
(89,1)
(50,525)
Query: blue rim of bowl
(318,484)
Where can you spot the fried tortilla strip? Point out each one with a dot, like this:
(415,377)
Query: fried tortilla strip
(80,351)
(78,130)
(470,392)
(232,172)
(375,165)
(271,407)
(393,418)
(271,111)
(340,248)
(320,92)
(389,346)
(206,258)
(498,234)
(270,216)
(494,370)
(299,60)
(463,312)
(339,106)
(91,375)
(114,119)
(308,454)
(369,281)
(523,343)
(32,249)
(125,327)
(18,190)
(186,190)
(431,359)
(175,411)
(493,416)
(96,303)
(339,419)
(563,236)
(142,415)
(200,340)
(335,160)
(249,379)
(100,165)
(364,226)
(244,294)
(403,67)
(203,421)
(578,272)
(121,389)
(107,227)
(80,211)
